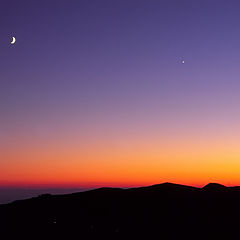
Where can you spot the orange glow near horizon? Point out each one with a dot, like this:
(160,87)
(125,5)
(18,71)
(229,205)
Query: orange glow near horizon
(121,163)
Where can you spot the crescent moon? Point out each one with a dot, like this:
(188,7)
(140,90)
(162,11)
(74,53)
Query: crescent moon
(13,40)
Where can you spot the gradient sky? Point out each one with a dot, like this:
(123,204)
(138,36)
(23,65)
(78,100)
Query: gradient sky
(94,93)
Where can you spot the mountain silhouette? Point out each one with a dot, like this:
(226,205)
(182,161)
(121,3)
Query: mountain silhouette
(162,211)
(215,187)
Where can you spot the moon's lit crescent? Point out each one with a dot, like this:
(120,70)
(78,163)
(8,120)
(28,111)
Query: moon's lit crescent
(13,40)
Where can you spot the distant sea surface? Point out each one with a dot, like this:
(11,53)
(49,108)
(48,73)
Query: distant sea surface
(8,195)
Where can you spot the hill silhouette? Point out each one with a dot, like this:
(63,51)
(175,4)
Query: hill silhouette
(215,187)
(162,211)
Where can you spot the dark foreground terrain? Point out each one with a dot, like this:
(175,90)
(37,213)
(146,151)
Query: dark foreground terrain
(164,211)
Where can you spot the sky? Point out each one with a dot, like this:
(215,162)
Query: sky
(94,93)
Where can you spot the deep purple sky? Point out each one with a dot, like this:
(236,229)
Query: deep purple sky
(91,69)
(91,51)
(117,54)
